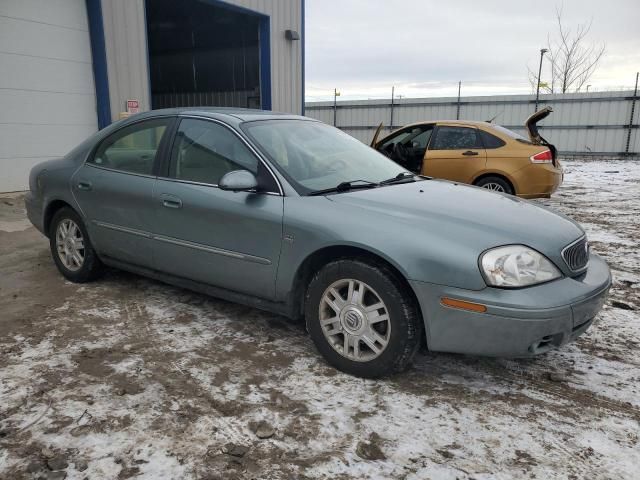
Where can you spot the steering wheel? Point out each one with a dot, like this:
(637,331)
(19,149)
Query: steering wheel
(401,153)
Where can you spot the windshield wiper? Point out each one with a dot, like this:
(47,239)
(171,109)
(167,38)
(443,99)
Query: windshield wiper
(401,177)
(345,186)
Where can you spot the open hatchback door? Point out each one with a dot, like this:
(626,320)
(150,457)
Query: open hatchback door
(532,128)
(532,125)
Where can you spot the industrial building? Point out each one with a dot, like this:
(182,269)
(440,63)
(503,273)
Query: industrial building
(70,67)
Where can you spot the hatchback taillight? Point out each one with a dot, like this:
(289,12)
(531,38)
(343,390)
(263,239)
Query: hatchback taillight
(542,157)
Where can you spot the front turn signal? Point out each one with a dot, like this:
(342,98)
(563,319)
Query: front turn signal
(463,305)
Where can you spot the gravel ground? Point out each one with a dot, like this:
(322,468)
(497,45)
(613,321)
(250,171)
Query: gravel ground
(127,377)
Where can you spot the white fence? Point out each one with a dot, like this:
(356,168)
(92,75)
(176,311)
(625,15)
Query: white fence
(582,123)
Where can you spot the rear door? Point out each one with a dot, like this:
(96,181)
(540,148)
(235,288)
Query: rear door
(455,153)
(114,189)
(227,239)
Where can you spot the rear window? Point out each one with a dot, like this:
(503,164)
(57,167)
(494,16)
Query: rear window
(491,141)
(512,134)
(133,148)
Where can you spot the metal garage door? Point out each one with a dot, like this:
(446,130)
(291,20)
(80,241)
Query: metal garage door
(47,94)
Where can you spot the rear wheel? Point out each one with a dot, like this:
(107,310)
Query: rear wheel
(361,319)
(496,184)
(71,248)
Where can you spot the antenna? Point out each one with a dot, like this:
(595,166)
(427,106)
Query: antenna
(494,117)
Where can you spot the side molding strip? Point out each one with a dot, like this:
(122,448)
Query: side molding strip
(183,243)
(118,228)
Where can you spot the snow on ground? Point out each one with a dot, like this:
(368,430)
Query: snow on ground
(126,377)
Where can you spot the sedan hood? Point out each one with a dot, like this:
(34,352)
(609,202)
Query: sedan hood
(473,218)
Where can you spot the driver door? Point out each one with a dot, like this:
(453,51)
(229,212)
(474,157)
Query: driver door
(222,238)
(455,153)
(407,146)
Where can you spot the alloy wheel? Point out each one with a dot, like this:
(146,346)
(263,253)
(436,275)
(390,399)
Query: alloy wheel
(354,320)
(70,245)
(496,187)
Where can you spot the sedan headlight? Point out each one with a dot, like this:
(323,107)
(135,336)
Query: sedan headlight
(516,266)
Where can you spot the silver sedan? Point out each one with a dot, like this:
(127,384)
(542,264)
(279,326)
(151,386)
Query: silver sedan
(289,215)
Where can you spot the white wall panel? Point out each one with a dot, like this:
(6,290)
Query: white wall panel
(126,50)
(47,94)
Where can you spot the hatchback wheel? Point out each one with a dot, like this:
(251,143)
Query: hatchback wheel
(71,248)
(496,184)
(361,319)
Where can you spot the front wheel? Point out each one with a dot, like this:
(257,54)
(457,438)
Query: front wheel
(361,318)
(71,248)
(496,184)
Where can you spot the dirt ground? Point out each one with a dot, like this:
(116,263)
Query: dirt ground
(126,377)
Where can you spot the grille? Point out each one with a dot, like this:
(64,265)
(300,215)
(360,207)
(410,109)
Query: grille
(576,255)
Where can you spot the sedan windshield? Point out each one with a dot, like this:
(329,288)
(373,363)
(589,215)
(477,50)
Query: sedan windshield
(316,157)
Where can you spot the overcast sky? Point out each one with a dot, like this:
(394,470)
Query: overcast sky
(424,47)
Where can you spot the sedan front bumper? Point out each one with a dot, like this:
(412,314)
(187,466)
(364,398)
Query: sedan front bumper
(517,322)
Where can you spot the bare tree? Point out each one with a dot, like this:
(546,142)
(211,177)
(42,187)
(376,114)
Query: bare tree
(533,81)
(573,58)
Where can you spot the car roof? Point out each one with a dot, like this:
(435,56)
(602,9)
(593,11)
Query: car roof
(233,115)
(476,123)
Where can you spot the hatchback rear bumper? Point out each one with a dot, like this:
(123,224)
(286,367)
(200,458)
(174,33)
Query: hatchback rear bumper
(538,180)
(517,323)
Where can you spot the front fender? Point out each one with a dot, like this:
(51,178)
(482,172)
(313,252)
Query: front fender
(312,224)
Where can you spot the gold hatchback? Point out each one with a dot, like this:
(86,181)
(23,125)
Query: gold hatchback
(478,153)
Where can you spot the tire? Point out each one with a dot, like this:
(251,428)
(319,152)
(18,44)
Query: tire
(496,184)
(402,330)
(90,266)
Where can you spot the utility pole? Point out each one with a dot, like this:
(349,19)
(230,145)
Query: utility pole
(392,94)
(336,94)
(458,108)
(542,52)
(633,108)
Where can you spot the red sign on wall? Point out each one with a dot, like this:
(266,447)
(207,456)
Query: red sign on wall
(133,106)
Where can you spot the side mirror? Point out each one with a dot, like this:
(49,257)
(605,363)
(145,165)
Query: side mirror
(238,181)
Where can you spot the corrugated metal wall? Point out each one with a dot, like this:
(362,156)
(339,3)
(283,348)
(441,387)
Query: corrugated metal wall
(125,35)
(581,122)
(286,55)
(127,58)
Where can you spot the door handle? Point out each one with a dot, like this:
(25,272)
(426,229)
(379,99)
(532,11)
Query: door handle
(469,153)
(84,186)
(177,203)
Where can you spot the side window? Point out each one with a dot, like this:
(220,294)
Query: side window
(397,138)
(133,148)
(205,151)
(491,141)
(456,138)
(421,140)
(416,137)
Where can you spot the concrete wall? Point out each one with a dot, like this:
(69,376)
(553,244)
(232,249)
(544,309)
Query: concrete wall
(127,58)
(47,94)
(581,122)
